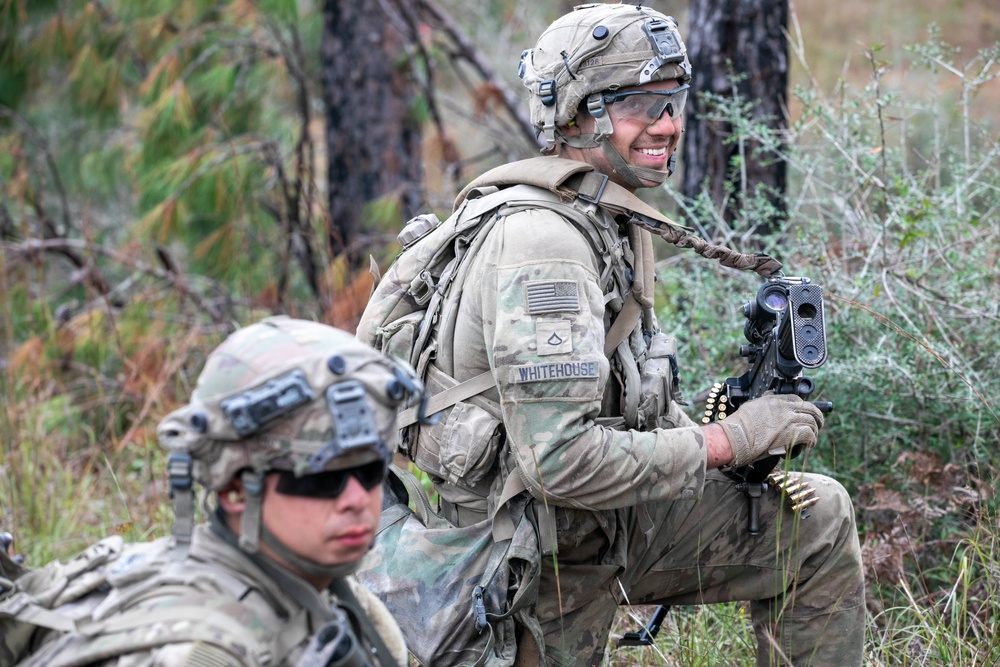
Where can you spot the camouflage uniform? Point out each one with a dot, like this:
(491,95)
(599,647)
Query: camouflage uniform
(634,507)
(215,607)
(291,397)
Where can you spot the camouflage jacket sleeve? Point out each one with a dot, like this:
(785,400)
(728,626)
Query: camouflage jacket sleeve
(543,322)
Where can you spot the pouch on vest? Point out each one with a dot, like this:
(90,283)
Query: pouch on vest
(463,446)
(658,380)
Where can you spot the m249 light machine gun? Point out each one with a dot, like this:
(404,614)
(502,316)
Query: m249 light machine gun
(786,332)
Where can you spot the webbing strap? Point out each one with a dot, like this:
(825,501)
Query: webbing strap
(613,196)
(448,398)
(21,607)
(367,629)
(421,505)
(623,325)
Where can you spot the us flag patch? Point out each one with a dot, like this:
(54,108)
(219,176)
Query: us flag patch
(551,296)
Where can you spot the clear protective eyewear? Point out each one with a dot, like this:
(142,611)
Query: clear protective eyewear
(647,106)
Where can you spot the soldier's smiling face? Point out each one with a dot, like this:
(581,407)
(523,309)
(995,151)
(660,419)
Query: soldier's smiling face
(642,142)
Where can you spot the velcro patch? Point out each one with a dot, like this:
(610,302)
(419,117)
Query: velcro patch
(553,337)
(559,370)
(551,296)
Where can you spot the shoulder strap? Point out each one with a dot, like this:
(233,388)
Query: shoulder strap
(623,325)
(588,186)
(364,625)
(21,606)
(448,398)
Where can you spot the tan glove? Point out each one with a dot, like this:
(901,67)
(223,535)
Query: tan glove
(771,424)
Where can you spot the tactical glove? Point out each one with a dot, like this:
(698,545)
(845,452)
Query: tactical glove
(771,424)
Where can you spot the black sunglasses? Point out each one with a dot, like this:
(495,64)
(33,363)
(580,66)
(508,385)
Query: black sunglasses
(331,483)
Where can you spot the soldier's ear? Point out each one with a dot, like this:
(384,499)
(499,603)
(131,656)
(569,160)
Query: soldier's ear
(571,129)
(232,497)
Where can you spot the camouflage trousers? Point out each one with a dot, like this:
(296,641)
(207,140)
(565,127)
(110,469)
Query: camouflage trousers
(803,577)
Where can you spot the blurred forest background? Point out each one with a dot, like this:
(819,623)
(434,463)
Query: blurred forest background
(173,169)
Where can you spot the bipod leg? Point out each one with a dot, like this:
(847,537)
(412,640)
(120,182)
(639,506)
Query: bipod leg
(647,635)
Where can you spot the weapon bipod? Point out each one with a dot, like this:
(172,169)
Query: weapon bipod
(648,633)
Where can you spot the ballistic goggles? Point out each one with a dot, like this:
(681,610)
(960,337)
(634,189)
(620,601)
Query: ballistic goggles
(646,106)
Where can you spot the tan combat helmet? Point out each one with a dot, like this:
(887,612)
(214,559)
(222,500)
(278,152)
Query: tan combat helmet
(282,394)
(594,49)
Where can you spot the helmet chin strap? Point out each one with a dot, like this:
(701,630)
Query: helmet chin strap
(630,174)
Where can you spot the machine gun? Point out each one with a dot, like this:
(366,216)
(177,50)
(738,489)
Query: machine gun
(786,333)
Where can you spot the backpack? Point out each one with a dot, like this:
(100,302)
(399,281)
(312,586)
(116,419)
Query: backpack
(93,603)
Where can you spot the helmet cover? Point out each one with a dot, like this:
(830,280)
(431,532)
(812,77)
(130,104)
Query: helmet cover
(287,394)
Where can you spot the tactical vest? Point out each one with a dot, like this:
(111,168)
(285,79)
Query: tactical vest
(116,599)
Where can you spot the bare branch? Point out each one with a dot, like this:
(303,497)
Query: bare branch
(467,51)
(33,247)
(43,145)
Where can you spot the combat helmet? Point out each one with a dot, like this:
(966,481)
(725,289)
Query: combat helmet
(593,49)
(282,394)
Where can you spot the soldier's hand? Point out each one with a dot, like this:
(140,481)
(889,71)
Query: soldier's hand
(771,424)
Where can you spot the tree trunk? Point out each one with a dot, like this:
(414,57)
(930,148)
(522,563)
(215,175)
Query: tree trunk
(743,38)
(373,138)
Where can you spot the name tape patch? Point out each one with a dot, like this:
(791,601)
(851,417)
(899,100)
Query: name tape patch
(566,370)
(551,296)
